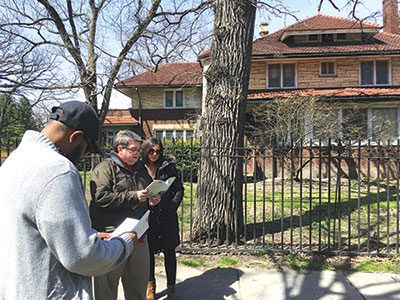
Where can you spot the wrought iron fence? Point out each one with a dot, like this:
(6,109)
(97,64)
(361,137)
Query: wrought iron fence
(336,198)
(312,197)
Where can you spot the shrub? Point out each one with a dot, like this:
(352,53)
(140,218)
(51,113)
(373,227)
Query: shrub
(187,155)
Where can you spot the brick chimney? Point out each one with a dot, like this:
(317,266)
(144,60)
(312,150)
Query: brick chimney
(390,16)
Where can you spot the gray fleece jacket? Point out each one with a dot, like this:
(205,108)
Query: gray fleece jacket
(48,249)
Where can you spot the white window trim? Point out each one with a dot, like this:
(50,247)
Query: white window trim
(374,72)
(174,99)
(369,126)
(281,70)
(164,133)
(325,62)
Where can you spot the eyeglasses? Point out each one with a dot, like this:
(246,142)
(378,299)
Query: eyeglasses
(152,151)
(132,150)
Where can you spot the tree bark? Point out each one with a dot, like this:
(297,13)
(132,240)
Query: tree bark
(219,210)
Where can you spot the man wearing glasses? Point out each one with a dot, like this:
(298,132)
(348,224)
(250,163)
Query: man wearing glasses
(117,187)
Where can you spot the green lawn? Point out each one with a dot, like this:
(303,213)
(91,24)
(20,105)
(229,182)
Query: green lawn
(311,217)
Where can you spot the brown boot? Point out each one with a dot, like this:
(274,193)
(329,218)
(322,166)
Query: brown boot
(171,292)
(151,290)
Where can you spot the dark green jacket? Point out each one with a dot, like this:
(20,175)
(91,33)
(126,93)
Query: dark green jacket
(113,190)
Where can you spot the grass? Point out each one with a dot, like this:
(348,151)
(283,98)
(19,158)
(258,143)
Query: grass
(228,261)
(311,216)
(281,218)
(261,258)
(294,262)
(193,262)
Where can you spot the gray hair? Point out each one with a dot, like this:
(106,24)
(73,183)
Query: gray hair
(123,138)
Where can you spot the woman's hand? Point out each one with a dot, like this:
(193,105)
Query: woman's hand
(154,200)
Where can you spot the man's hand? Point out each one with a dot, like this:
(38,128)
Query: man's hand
(103,235)
(154,200)
(133,236)
(142,195)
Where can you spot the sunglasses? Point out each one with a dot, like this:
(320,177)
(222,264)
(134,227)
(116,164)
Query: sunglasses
(152,151)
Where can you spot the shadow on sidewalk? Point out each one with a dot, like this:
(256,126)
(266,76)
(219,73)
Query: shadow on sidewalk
(212,284)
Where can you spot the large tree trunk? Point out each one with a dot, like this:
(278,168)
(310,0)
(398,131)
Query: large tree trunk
(219,211)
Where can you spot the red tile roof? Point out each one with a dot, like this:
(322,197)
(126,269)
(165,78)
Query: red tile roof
(171,74)
(271,45)
(323,22)
(119,117)
(334,92)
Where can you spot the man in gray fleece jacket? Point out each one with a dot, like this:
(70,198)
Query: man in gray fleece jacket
(48,248)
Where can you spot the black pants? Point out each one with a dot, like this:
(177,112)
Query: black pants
(170,266)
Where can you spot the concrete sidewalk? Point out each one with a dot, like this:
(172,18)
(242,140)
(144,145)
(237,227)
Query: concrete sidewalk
(265,284)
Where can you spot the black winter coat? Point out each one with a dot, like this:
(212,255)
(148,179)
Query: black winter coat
(164,229)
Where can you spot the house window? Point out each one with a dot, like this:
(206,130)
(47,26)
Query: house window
(328,68)
(374,72)
(110,137)
(384,124)
(341,37)
(281,75)
(174,134)
(354,123)
(173,99)
(313,38)
(327,38)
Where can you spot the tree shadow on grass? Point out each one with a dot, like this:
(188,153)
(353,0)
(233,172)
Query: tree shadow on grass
(330,213)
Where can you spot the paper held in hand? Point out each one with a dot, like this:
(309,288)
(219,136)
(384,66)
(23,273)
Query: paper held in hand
(130,224)
(158,186)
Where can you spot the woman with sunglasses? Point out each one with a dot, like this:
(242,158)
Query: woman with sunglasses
(163,234)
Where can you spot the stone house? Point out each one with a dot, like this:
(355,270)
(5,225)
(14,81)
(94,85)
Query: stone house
(166,102)
(335,59)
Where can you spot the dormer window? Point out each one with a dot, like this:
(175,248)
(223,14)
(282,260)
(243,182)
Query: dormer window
(327,38)
(341,37)
(313,38)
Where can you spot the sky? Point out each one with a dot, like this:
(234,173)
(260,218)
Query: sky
(308,8)
(302,9)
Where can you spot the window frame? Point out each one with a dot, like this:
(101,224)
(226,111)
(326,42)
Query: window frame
(281,78)
(328,74)
(369,113)
(311,40)
(374,72)
(184,132)
(339,39)
(173,99)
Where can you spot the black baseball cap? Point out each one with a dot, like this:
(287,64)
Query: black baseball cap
(79,116)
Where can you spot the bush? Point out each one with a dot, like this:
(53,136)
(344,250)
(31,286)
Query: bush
(187,155)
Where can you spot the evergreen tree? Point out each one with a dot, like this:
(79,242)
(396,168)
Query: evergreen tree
(16,117)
